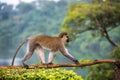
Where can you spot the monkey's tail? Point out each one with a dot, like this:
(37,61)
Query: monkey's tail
(24,41)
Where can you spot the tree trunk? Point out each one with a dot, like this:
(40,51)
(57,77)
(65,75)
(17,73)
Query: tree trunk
(117,74)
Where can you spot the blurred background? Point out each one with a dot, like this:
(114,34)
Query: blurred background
(93,25)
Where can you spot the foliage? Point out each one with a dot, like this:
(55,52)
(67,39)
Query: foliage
(83,15)
(98,17)
(101,72)
(38,74)
(116,53)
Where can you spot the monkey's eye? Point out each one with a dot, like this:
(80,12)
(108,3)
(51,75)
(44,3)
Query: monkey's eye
(67,36)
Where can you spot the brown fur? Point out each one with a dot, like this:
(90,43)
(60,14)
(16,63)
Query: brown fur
(52,43)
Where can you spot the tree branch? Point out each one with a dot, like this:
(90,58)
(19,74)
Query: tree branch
(82,64)
(105,33)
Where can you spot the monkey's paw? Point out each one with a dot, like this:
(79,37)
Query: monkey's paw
(26,66)
(47,63)
(76,62)
(50,63)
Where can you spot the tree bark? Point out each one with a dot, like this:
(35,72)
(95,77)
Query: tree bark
(117,74)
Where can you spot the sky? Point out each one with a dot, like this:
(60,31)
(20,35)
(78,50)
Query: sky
(15,2)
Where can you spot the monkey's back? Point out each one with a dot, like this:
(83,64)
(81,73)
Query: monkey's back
(52,43)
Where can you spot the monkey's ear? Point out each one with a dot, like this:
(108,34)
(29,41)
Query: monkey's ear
(62,34)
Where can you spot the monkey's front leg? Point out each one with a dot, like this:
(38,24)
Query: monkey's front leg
(69,56)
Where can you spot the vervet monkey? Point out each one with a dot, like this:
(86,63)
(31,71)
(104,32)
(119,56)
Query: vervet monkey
(38,42)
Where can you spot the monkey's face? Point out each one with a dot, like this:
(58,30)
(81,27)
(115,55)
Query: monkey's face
(65,38)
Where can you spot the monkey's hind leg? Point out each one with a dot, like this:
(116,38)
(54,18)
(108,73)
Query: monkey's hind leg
(40,53)
(25,65)
(51,57)
(29,53)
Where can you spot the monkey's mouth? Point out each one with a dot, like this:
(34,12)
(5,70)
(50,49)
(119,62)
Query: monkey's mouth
(68,40)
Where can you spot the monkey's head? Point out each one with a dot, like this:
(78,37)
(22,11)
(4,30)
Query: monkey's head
(64,37)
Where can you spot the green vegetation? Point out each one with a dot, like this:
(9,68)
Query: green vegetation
(98,17)
(38,74)
(101,72)
(94,28)
(116,53)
